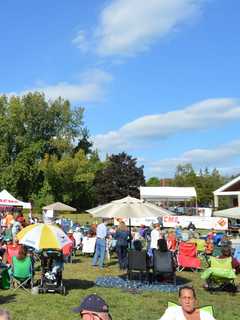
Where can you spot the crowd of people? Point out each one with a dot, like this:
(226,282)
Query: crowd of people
(119,238)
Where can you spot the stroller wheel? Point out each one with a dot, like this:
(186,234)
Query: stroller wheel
(63,290)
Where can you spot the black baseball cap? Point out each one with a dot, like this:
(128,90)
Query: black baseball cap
(92,303)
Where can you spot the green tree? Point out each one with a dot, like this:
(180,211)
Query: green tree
(118,178)
(31,128)
(153,182)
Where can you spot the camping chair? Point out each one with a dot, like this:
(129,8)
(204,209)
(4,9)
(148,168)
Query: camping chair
(137,261)
(163,265)
(11,251)
(237,253)
(207,308)
(68,252)
(22,274)
(220,275)
(187,257)
(200,245)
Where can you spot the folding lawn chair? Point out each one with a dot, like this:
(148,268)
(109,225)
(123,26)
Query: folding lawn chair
(209,309)
(163,265)
(22,275)
(187,257)
(137,261)
(220,275)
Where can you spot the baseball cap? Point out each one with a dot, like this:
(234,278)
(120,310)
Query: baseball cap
(92,303)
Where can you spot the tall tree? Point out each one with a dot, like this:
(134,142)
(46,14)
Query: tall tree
(30,128)
(120,177)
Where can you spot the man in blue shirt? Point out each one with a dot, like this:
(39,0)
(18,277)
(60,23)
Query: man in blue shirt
(100,249)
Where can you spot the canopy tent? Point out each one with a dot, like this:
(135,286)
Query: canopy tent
(129,207)
(233,213)
(58,206)
(6,199)
(167,193)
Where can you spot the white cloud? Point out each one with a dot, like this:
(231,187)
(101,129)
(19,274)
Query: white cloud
(201,115)
(81,41)
(127,27)
(219,157)
(91,88)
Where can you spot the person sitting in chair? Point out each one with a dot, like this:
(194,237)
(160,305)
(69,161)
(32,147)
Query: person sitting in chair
(187,309)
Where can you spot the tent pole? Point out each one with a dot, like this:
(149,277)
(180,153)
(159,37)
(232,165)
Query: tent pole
(130,233)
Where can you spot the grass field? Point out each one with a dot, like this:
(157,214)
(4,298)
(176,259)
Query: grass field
(79,278)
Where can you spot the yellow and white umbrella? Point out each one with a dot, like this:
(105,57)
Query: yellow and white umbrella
(43,236)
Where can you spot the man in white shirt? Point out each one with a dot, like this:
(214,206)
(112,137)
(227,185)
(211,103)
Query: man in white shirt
(101,234)
(155,236)
(187,309)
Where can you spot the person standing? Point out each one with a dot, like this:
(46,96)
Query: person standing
(122,237)
(100,249)
(155,236)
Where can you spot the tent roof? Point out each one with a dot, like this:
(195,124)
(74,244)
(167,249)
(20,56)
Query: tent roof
(226,188)
(171,193)
(58,206)
(6,199)
(233,213)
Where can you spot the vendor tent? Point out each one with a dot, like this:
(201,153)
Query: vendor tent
(58,206)
(6,199)
(233,213)
(167,193)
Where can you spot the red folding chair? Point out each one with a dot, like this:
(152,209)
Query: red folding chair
(68,252)
(11,251)
(187,257)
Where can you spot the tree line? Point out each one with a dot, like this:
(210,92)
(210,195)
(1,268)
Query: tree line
(46,155)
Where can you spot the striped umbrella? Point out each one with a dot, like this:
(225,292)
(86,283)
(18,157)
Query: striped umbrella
(43,236)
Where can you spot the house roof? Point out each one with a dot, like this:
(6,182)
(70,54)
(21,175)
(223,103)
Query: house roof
(230,188)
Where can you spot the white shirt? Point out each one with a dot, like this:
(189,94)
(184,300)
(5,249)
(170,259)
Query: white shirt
(176,313)
(155,236)
(101,231)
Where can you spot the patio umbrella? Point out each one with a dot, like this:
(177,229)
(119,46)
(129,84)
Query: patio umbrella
(43,236)
(233,213)
(129,207)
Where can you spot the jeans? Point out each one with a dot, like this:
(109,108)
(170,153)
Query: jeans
(122,256)
(99,253)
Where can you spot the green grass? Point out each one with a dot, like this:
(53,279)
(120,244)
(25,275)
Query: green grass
(79,279)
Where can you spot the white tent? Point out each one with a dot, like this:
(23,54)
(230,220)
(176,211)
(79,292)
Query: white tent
(6,199)
(58,206)
(233,213)
(167,193)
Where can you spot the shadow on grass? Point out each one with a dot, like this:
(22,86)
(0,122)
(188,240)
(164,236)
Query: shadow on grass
(7,299)
(72,284)
(112,263)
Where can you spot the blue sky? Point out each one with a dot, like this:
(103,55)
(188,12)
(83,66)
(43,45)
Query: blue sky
(158,79)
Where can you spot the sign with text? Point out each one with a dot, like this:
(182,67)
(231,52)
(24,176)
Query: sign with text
(199,222)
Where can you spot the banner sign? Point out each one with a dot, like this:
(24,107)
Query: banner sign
(199,222)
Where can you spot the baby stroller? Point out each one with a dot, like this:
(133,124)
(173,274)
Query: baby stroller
(51,272)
